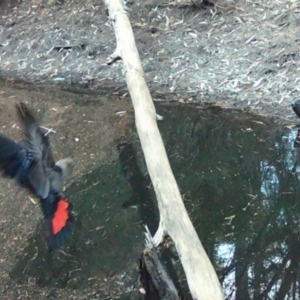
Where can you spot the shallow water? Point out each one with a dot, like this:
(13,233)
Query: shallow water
(238,176)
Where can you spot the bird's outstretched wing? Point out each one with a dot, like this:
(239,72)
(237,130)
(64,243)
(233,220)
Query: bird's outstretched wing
(13,158)
(38,146)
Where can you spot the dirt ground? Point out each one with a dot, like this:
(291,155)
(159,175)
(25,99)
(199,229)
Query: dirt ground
(237,54)
(242,54)
(86,128)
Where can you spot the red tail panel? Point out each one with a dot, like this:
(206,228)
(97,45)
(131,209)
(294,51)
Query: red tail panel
(61,216)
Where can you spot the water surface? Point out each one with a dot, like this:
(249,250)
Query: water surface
(239,178)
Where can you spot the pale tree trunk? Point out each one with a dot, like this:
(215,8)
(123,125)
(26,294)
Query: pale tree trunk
(174,220)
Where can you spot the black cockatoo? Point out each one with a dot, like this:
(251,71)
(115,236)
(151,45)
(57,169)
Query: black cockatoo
(296,107)
(31,164)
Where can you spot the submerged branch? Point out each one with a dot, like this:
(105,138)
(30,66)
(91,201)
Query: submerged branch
(153,272)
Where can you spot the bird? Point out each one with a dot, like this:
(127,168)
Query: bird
(296,107)
(31,164)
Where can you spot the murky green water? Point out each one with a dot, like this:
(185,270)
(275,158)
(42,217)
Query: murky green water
(239,178)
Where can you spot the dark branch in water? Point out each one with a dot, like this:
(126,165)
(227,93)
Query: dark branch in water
(153,274)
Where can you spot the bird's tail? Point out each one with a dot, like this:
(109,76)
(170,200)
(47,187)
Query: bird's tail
(57,212)
(13,157)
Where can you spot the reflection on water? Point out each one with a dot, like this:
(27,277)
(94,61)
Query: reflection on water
(239,177)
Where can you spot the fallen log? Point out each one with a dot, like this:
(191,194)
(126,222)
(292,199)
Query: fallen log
(174,220)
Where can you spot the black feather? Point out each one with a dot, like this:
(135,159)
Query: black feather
(296,107)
